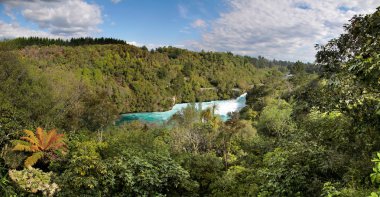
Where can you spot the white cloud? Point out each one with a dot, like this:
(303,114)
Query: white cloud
(281,29)
(183,12)
(135,43)
(8,30)
(199,23)
(60,17)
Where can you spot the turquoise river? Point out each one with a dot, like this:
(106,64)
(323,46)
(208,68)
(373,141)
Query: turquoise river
(223,107)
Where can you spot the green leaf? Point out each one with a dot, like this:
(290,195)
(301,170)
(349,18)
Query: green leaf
(30,161)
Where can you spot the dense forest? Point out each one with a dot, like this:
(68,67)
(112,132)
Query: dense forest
(30,41)
(109,79)
(307,129)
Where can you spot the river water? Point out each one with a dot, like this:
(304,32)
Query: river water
(223,107)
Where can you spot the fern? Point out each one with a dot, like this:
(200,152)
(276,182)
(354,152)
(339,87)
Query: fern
(40,135)
(39,143)
(21,147)
(31,160)
(49,137)
(15,142)
(32,137)
(30,140)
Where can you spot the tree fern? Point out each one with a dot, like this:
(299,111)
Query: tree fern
(49,137)
(30,137)
(15,142)
(31,160)
(21,147)
(40,134)
(41,143)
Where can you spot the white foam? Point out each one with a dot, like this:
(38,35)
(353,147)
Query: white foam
(223,107)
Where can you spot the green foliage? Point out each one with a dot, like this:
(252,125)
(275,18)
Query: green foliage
(289,171)
(273,86)
(237,181)
(86,173)
(121,173)
(24,42)
(375,176)
(6,187)
(374,194)
(297,68)
(329,190)
(350,63)
(205,169)
(300,135)
(152,175)
(86,83)
(275,119)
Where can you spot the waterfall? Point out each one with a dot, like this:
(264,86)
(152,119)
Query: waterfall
(223,107)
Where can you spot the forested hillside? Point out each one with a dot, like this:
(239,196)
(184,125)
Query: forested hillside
(107,79)
(312,133)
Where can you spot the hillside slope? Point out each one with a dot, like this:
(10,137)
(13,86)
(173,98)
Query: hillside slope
(93,83)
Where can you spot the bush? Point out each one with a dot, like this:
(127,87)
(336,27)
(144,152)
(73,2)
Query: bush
(275,119)
(34,181)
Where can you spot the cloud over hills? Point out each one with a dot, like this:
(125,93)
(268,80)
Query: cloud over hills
(64,18)
(281,29)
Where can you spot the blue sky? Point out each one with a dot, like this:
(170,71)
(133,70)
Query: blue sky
(166,22)
(276,29)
